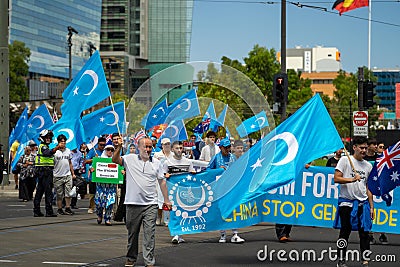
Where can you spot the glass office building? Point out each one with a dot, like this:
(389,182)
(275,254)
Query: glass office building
(42,26)
(386,87)
(143,37)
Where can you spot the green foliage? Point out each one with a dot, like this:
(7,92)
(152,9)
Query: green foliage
(19,56)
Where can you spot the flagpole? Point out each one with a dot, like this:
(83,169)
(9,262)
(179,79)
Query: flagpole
(369,37)
(112,106)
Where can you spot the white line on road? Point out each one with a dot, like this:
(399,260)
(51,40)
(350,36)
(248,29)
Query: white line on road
(64,263)
(7,261)
(16,205)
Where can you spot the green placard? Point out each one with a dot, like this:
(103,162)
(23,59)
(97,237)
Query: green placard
(105,171)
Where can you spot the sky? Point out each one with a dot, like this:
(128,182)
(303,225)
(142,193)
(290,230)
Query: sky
(231,28)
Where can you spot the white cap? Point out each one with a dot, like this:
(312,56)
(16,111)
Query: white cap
(165,140)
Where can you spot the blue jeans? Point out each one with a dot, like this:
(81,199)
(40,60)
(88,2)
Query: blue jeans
(135,216)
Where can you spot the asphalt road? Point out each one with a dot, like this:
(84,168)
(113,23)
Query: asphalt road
(78,241)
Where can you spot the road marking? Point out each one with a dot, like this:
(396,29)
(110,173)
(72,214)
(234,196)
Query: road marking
(17,205)
(7,261)
(64,263)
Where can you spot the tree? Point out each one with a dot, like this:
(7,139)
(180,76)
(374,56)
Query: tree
(19,56)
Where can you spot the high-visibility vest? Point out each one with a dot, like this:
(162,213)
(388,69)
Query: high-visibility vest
(41,160)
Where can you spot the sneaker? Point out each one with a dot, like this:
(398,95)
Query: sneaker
(383,239)
(158,221)
(365,264)
(90,211)
(222,239)
(341,264)
(68,211)
(129,263)
(237,239)
(177,240)
(283,239)
(61,212)
(372,240)
(38,214)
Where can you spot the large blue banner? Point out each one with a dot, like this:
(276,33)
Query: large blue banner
(310,200)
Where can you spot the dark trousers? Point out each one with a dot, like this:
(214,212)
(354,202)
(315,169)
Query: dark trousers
(345,230)
(282,230)
(44,186)
(120,214)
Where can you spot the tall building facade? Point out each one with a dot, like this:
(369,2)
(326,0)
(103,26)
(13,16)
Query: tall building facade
(43,27)
(141,37)
(386,87)
(319,64)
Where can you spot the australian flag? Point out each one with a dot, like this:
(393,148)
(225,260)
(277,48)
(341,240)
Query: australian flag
(385,174)
(202,127)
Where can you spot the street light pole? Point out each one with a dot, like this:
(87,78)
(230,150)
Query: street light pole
(283,50)
(71,31)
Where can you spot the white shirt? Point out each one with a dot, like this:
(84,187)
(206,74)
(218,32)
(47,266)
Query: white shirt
(176,166)
(61,163)
(205,152)
(356,190)
(141,179)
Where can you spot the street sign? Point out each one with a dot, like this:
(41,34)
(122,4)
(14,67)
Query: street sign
(360,131)
(360,118)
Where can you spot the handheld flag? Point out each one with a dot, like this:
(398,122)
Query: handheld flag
(347,5)
(202,127)
(280,156)
(72,129)
(253,124)
(39,120)
(88,88)
(139,135)
(220,121)
(20,127)
(175,131)
(107,120)
(210,113)
(385,175)
(187,106)
(156,115)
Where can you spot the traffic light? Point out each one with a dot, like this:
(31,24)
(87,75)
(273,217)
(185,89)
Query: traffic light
(368,94)
(280,92)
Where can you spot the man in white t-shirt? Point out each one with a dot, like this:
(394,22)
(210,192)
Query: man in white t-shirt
(356,207)
(63,173)
(177,165)
(142,174)
(211,149)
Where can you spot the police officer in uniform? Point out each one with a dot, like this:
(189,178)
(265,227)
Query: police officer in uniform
(44,164)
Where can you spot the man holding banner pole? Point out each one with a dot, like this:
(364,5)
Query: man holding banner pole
(142,174)
(356,207)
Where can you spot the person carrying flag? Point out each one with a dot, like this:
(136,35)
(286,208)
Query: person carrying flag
(44,164)
(356,206)
(222,160)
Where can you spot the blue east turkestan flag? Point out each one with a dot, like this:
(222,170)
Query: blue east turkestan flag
(187,106)
(175,131)
(156,115)
(253,124)
(105,120)
(210,113)
(20,128)
(279,157)
(39,120)
(220,121)
(88,88)
(73,131)
(385,175)
(204,125)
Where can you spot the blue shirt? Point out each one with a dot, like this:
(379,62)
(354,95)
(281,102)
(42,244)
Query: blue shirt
(219,161)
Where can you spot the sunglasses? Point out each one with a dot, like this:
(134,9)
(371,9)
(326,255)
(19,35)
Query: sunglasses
(110,149)
(381,146)
(101,144)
